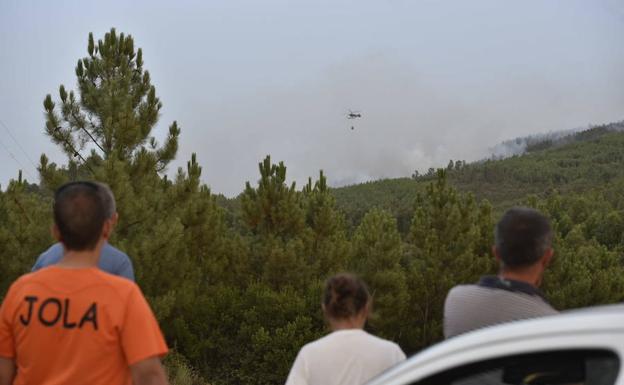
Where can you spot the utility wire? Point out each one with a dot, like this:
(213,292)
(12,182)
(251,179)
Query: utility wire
(19,204)
(15,159)
(94,141)
(76,153)
(89,134)
(18,143)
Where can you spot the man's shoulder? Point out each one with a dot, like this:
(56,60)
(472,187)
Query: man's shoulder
(25,279)
(114,286)
(470,307)
(97,277)
(461,290)
(473,297)
(116,262)
(50,256)
(118,282)
(474,290)
(112,251)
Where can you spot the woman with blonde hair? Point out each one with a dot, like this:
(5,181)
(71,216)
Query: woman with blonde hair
(347,355)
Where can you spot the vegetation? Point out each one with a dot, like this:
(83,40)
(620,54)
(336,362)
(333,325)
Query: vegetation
(236,284)
(573,164)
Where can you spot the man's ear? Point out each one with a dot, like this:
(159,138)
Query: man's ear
(107,228)
(56,233)
(114,218)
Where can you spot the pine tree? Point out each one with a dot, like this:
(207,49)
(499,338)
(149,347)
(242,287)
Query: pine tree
(327,243)
(172,230)
(450,240)
(25,219)
(274,215)
(586,268)
(583,273)
(115,112)
(377,255)
(273,207)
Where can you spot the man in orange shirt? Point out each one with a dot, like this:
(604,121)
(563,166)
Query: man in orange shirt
(71,323)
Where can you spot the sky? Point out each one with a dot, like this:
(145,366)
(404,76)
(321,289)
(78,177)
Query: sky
(433,79)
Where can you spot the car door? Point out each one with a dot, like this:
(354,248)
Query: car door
(556,367)
(578,358)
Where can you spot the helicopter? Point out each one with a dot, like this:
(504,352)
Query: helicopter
(354,115)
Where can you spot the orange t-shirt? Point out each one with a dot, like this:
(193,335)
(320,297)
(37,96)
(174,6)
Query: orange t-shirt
(77,326)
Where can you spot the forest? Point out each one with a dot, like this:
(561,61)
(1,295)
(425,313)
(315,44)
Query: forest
(236,283)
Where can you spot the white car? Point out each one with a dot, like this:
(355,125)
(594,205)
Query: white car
(578,347)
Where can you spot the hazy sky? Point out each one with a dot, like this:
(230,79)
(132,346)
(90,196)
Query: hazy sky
(433,79)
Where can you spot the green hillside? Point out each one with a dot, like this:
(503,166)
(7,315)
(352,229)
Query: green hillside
(575,163)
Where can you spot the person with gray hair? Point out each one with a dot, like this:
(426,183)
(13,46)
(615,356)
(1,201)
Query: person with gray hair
(523,249)
(112,260)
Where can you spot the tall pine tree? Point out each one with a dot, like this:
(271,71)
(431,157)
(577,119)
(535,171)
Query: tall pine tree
(449,240)
(172,230)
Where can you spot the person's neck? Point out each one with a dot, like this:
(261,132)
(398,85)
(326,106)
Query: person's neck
(344,324)
(80,258)
(530,276)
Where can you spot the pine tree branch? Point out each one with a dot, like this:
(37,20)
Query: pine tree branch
(81,125)
(75,152)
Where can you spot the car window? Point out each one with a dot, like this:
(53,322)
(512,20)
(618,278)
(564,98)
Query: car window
(587,367)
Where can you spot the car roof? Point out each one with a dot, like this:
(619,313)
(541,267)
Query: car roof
(615,308)
(594,319)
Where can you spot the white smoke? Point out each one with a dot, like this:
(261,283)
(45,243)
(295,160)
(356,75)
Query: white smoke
(519,146)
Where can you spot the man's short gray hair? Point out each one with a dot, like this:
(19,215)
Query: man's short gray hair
(522,237)
(109,199)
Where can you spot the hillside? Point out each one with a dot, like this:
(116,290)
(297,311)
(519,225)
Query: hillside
(574,163)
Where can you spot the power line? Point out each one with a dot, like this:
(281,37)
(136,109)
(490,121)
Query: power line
(94,141)
(18,143)
(81,125)
(76,153)
(15,159)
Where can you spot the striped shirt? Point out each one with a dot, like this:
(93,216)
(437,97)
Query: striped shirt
(492,301)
